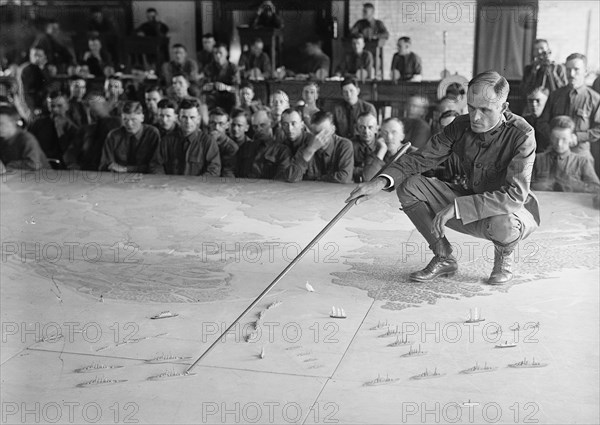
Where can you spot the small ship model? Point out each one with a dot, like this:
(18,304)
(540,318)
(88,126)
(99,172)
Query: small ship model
(100,381)
(167,358)
(506,344)
(478,369)
(164,315)
(380,381)
(474,318)
(400,341)
(389,333)
(337,313)
(94,367)
(526,364)
(427,375)
(414,353)
(380,325)
(169,374)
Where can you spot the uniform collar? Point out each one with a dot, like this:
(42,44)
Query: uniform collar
(487,137)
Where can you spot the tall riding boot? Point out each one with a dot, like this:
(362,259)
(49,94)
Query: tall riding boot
(443,263)
(503,262)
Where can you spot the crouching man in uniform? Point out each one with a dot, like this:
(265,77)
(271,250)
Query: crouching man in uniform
(497,152)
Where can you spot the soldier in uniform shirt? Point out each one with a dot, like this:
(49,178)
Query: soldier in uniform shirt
(346,112)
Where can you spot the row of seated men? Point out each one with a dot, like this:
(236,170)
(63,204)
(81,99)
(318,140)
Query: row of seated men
(281,146)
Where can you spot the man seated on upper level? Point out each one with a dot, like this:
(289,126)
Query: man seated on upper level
(129,149)
(558,168)
(368,26)
(313,61)
(264,157)
(327,157)
(364,142)
(153,27)
(543,72)
(221,79)
(218,124)
(406,65)
(579,102)
(346,113)
(187,151)
(78,111)
(180,64)
(18,148)
(205,56)
(255,63)
(357,59)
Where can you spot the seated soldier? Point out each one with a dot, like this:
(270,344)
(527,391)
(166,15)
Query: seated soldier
(129,149)
(187,151)
(308,106)
(56,133)
(152,95)
(18,148)
(167,117)
(78,111)
(416,128)
(94,135)
(278,102)
(294,130)
(180,64)
(406,65)
(255,63)
(240,124)
(346,113)
(536,102)
(264,157)
(558,169)
(114,94)
(389,142)
(313,61)
(247,102)
(218,123)
(327,157)
(358,58)
(180,90)
(221,80)
(364,142)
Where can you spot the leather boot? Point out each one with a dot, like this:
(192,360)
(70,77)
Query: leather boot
(503,262)
(443,263)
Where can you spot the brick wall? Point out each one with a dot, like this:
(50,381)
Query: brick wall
(424,22)
(565,25)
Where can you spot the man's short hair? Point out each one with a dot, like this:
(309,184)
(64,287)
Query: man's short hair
(219,112)
(366,114)
(189,104)
(208,35)
(132,107)
(393,119)
(38,47)
(536,90)
(291,110)
(540,40)
(574,56)
(494,80)
(221,44)
(448,114)
(55,94)
(151,9)
(237,112)
(562,121)
(257,40)
(155,88)
(247,85)
(368,6)
(178,45)
(179,74)
(10,111)
(166,104)
(76,78)
(320,117)
(281,93)
(405,39)
(349,80)
(358,36)
(266,110)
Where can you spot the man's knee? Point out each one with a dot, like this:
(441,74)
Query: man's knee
(504,228)
(411,190)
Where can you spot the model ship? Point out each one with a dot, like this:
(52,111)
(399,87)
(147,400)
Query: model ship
(414,353)
(526,364)
(478,369)
(427,375)
(164,315)
(262,353)
(380,325)
(100,381)
(169,374)
(95,367)
(389,333)
(506,344)
(380,381)
(337,313)
(400,341)
(474,317)
(274,304)
(166,358)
